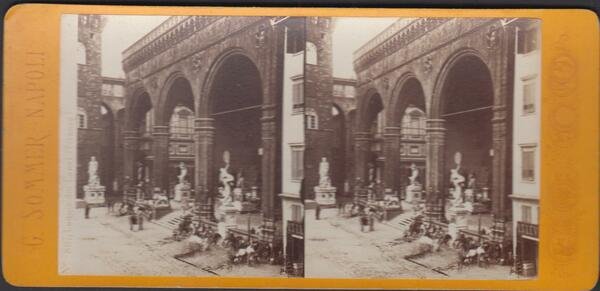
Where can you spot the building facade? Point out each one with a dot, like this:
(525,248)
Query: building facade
(292,146)
(100,103)
(226,74)
(460,74)
(526,144)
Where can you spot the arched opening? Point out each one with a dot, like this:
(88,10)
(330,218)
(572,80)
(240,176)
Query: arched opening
(107,150)
(410,116)
(467,99)
(338,149)
(179,117)
(235,105)
(375,122)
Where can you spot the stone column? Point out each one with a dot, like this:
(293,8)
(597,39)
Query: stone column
(499,172)
(361,143)
(205,133)
(392,143)
(160,150)
(435,134)
(268,172)
(131,142)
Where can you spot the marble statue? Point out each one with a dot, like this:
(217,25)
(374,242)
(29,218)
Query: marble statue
(414,174)
(93,172)
(226,178)
(457,179)
(182,173)
(324,180)
(140,173)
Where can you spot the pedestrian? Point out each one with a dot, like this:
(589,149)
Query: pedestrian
(87,210)
(371,219)
(318,212)
(340,205)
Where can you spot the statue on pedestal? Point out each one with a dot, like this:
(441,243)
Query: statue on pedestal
(93,191)
(182,172)
(93,179)
(413,190)
(324,192)
(324,180)
(457,179)
(140,173)
(226,178)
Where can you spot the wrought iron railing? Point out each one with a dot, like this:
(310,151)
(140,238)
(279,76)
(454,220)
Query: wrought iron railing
(295,228)
(528,229)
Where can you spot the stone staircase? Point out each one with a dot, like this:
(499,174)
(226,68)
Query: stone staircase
(404,222)
(170,221)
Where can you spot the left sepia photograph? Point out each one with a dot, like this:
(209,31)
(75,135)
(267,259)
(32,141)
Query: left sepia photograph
(182,146)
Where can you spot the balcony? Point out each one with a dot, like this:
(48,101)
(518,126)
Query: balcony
(295,228)
(528,229)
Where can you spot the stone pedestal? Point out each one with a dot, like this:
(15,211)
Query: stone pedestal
(94,194)
(182,191)
(457,214)
(227,216)
(413,193)
(325,195)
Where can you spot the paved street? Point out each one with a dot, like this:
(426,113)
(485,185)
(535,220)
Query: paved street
(336,248)
(104,245)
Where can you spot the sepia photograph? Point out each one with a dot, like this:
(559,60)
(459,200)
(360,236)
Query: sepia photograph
(182,143)
(319,147)
(422,153)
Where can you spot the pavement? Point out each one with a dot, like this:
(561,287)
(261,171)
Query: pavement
(336,248)
(104,245)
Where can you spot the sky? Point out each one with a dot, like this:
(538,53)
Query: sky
(349,34)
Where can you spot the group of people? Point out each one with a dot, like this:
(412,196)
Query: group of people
(482,253)
(200,237)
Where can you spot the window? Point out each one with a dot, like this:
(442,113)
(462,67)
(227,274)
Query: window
(81,118)
(529,94)
(350,91)
(526,213)
(297,162)
(528,163)
(296,213)
(298,95)
(182,123)
(295,41)
(338,90)
(414,150)
(311,53)
(528,40)
(312,120)
(107,89)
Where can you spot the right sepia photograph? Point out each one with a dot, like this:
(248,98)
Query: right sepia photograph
(422,148)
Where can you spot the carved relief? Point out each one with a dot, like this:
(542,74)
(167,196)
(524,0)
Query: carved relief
(261,35)
(492,37)
(197,62)
(428,64)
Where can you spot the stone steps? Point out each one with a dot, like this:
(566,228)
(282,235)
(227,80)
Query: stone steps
(170,221)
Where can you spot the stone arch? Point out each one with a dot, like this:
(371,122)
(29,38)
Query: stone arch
(364,118)
(204,105)
(407,95)
(135,108)
(435,107)
(177,89)
(408,90)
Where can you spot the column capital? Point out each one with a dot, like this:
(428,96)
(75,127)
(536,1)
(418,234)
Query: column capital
(362,136)
(499,113)
(392,131)
(204,124)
